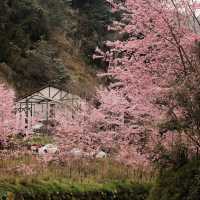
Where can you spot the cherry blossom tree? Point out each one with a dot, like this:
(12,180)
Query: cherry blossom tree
(7,115)
(155,52)
(158,51)
(101,128)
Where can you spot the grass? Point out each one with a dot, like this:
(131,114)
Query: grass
(41,140)
(57,190)
(35,139)
(25,165)
(28,176)
(73,170)
(178,183)
(76,178)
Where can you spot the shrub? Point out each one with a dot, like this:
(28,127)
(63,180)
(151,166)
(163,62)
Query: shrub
(64,191)
(178,184)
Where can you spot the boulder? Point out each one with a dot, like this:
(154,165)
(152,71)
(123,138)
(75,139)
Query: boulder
(48,149)
(101,154)
(37,127)
(76,152)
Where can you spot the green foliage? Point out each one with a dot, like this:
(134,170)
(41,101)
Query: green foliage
(39,140)
(22,22)
(81,180)
(173,157)
(182,106)
(92,25)
(178,184)
(47,40)
(25,27)
(63,190)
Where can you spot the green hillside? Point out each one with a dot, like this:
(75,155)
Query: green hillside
(48,41)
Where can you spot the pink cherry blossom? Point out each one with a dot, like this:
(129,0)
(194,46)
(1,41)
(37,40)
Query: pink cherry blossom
(7,114)
(157,50)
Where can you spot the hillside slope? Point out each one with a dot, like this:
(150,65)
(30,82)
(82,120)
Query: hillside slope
(48,41)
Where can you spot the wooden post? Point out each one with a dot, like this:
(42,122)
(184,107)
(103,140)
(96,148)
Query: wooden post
(52,111)
(47,115)
(31,114)
(49,92)
(20,116)
(26,115)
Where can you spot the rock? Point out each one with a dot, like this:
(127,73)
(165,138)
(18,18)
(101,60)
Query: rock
(37,127)
(35,148)
(101,154)
(42,151)
(48,149)
(76,152)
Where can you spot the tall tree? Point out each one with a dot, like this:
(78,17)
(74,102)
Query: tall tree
(156,52)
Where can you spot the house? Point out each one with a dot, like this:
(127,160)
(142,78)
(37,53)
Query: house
(44,104)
